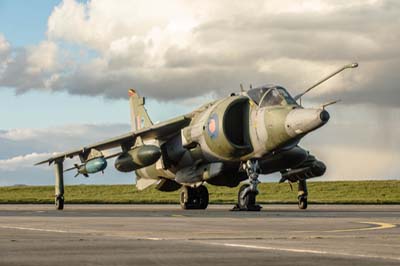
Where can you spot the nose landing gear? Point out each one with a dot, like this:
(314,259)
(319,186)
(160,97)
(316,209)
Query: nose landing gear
(302,194)
(248,192)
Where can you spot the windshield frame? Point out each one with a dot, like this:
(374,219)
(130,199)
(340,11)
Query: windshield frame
(267,94)
(257,98)
(254,95)
(286,95)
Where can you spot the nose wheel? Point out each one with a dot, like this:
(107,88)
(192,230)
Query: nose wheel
(302,202)
(248,192)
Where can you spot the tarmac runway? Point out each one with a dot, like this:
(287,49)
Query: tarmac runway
(166,235)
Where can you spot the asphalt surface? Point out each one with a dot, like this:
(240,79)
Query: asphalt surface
(166,235)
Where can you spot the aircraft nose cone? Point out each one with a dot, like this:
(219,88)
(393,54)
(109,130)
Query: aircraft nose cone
(324,116)
(303,121)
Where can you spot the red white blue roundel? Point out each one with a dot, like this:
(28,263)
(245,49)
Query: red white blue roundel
(212,126)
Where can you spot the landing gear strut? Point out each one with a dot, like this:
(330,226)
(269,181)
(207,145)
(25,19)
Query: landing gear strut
(302,194)
(248,192)
(59,185)
(194,198)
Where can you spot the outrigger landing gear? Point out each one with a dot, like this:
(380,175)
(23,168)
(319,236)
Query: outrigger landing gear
(59,185)
(59,202)
(248,192)
(194,198)
(302,194)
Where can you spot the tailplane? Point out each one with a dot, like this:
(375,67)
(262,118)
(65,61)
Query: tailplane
(139,117)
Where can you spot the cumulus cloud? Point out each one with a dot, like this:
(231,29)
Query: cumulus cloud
(4,45)
(23,161)
(15,142)
(22,148)
(186,49)
(182,51)
(66,131)
(33,67)
(4,48)
(42,58)
(4,52)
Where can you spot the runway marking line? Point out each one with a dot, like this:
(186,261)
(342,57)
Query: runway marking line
(63,231)
(33,229)
(380,226)
(177,215)
(309,251)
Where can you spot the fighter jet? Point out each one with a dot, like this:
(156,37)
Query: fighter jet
(222,143)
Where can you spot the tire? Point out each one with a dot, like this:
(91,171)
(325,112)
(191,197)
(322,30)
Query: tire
(187,198)
(194,198)
(203,197)
(302,203)
(59,203)
(248,201)
(183,196)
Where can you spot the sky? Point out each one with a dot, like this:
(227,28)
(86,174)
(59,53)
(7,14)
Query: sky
(66,66)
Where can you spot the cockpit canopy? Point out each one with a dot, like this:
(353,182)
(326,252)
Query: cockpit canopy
(270,95)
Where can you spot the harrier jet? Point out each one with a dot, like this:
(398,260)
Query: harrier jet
(222,143)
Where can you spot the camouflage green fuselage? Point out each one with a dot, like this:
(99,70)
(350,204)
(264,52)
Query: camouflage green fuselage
(228,131)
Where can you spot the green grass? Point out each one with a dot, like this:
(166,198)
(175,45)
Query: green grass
(343,192)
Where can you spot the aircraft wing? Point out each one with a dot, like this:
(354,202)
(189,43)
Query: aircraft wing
(165,129)
(160,131)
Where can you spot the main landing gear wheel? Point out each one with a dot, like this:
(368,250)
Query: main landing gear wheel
(59,202)
(248,192)
(194,198)
(247,199)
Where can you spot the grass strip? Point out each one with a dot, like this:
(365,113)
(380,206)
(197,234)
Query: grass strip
(339,192)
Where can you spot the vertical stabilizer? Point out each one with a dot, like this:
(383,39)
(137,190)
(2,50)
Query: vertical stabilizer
(139,117)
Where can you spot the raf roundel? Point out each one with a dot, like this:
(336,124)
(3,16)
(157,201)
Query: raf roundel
(212,127)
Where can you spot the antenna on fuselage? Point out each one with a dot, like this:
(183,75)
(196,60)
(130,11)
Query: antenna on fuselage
(353,65)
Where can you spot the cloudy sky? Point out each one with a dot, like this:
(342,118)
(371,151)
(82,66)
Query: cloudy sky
(65,67)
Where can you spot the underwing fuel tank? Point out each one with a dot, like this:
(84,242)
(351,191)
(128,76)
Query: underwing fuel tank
(137,158)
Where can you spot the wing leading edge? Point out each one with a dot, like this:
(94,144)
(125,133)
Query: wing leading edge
(160,131)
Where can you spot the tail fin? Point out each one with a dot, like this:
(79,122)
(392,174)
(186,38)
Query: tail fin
(139,117)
